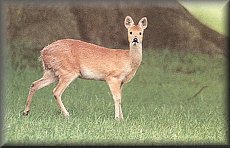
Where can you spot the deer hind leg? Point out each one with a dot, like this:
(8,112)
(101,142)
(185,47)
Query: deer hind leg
(47,79)
(115,88)
(64,81)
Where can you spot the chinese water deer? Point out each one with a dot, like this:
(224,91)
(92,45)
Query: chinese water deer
(68,59)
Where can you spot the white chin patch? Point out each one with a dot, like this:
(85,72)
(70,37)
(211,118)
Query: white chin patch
(134,43)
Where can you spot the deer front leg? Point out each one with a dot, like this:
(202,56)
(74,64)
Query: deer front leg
(115,88)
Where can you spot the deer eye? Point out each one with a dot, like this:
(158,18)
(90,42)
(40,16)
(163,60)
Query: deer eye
(140,33)
(130,32)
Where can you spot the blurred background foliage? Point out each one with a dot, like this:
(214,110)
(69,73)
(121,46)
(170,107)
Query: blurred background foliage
(211,13)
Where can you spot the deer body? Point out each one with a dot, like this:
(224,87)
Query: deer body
(89,61)
(68,59)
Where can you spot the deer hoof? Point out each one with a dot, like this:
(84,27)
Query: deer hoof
(66,115)
(25,113)
(119,118)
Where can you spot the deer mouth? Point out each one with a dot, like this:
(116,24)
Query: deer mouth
(135,41)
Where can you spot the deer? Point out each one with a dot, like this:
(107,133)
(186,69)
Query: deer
(67,59)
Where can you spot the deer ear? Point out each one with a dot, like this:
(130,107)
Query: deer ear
(143,23)
(128,22)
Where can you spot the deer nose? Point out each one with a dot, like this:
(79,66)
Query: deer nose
(135,40)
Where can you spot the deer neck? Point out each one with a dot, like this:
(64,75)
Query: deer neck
(135,54)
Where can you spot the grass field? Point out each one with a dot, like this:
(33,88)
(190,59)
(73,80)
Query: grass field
(163,105)
(157,104)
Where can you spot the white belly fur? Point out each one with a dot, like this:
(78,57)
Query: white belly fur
(91,74)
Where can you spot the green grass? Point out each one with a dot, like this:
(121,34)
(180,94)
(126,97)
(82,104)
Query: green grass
(210,13)
(155,105)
